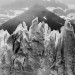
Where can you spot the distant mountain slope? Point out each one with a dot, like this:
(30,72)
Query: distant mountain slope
(54,21)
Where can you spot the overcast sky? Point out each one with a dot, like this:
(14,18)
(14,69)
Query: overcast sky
(6,2)
(69,1)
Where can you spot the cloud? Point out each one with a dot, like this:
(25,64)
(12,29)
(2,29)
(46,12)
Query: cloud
(71,15)
(4,16)
(51,8)
(16,12)
(12,13)
(9,14)
(71,6)
(25,8)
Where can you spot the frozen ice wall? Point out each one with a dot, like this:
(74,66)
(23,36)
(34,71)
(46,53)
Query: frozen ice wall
(37,51)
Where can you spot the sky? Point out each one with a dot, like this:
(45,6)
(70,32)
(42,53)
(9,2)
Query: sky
(69,1)
(6,2)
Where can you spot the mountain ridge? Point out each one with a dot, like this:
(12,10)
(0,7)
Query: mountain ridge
(39,11)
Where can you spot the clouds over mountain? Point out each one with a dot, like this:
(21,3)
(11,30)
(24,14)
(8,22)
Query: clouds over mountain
(17,7)
(9,14)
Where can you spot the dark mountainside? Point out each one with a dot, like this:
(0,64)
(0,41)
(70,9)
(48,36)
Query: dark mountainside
(54,21)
